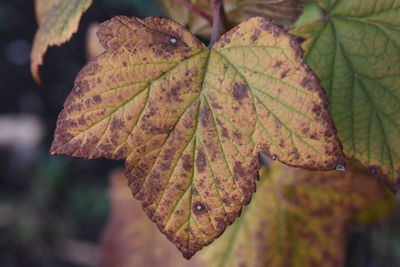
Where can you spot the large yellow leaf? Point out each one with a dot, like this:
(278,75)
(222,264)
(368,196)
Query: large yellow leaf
(297,218)
(282,12)
(191,121)
(58,21)
(355,51)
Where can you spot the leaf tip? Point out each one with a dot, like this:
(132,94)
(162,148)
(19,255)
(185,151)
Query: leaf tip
(52,151)
(54,148)
(187,255)
(35,72)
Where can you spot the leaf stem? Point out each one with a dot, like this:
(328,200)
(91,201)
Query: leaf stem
(216,24)
(196,10)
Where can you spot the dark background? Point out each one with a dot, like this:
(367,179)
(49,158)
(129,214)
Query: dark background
(53,208)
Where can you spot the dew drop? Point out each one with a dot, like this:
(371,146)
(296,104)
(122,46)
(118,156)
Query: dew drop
(77,89)
(173,40)
(199,208)
(274,157)
(340,167)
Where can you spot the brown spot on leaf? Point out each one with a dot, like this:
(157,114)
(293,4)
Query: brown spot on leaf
(117,124)
(201,162)
(278,64)
(238,169)
(305,130)
(277,124)
(317,109)
(284,73)
(205,116)
(282,143)
(214,103)
(224,129)
(272,29)
(255,34)
(240,92)
(97,98)
(174,94)
(225,132)
(187,162)
(294,43)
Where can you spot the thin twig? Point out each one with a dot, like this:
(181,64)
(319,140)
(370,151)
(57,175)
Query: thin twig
(216,25)
(196,10)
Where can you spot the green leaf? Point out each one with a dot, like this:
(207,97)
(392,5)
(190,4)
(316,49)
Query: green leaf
(355,51)
(297,218)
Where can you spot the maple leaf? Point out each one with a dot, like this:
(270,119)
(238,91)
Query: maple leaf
(282,12)
(297,218)
(58,20)
(191,121)
(355,51)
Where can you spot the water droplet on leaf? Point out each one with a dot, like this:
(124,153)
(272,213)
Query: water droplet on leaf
(199,208)
(341,167)
(173,40)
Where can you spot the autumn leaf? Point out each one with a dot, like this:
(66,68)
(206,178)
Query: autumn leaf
(58,20)
(297,218)
(130,239)
(191,121)
(282,12)
(355,51)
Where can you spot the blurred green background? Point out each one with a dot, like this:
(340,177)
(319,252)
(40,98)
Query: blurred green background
(53,208)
